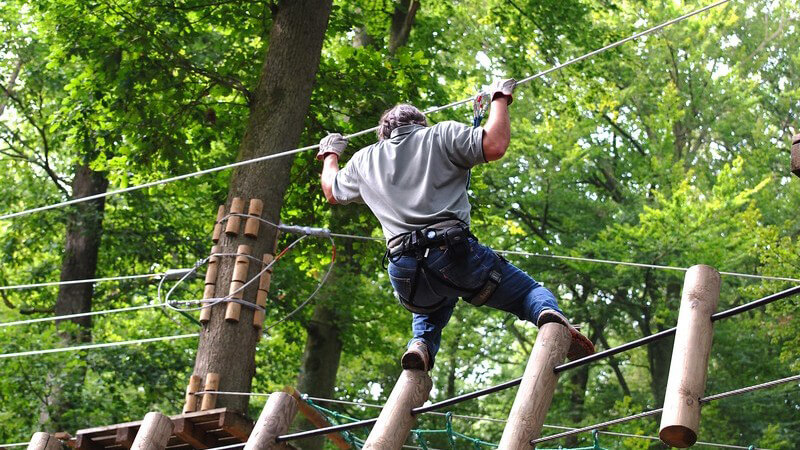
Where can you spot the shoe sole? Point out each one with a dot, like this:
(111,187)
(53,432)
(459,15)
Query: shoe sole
(412,361)
(580,346)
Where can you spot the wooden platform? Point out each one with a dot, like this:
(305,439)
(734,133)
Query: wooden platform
(195,430)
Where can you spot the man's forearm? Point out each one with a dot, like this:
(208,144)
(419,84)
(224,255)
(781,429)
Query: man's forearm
(330,167)
(497,132)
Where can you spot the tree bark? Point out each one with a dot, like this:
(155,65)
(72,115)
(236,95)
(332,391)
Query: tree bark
(83,236)
(402,20)
(278,106)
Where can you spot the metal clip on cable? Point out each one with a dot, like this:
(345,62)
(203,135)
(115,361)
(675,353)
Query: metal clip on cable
(479,107)
(308,231)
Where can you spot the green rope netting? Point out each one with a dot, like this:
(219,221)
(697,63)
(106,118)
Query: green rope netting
(420,435)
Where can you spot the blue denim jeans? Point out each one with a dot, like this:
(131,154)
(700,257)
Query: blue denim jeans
(517,293)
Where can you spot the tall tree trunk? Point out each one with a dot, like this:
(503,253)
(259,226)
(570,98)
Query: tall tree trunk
(402,20)
(83,235)
(278,107)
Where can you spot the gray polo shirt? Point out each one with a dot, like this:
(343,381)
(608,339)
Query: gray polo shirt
(415,178)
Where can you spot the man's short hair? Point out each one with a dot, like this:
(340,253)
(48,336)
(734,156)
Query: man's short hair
(398,116)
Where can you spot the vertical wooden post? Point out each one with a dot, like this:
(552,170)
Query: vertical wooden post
(154,433)
(190,404)
(218,225)
(44,441)
(211,283)
(796,155)
(234,222)
(395,421)
(263,291)
(688,368)
(211,384)
(253,224)
(536,390)
(274,421)
(239,278)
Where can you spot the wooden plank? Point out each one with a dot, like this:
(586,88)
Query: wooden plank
(236,425)
(185,430)
(84,442)
(125,436)
(316,418)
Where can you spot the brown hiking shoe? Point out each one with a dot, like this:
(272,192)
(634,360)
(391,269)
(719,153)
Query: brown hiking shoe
(580,346)
(416,357)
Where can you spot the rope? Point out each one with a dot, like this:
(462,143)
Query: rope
(93,346)
(640,415)
(84,314)
(86,281)
(350,136)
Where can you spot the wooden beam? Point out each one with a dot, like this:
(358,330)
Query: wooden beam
(236,425)
(274,421)
(125,436)
(44,441)
(185,430)
(536,390)
(395,421)
(688,369)
(154,433)
(316,418)
(796,155)
(84,442)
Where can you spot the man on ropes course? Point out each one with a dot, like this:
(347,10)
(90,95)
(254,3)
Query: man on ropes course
(415,180)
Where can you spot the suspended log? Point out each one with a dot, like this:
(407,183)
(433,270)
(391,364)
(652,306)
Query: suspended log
(688,368)
(154,432)
(395,421)
(536,390)
(274,421)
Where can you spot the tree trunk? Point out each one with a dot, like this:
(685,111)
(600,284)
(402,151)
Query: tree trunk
(278,107)
(83,234)
(402,21)
(320,363)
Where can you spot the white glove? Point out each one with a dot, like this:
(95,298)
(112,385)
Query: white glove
(332,143)
(504,88)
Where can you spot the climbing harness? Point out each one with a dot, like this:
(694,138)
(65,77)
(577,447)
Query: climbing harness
(452,235)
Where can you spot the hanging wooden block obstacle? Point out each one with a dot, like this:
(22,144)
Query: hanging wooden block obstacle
(536,390)
(191,401)
(263,290)
(234,222)
(211,283)
(688,368)
(154,432)
(218,225)
(44,441)
(796,155)
(395,421)
(211,384)
(252,224)
(274,421)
